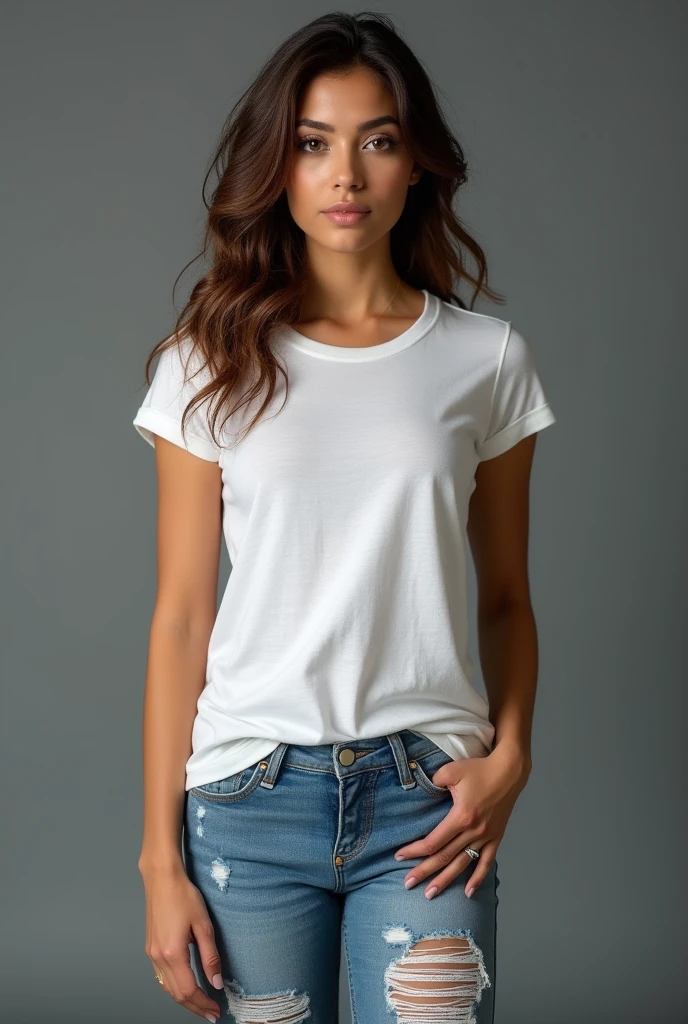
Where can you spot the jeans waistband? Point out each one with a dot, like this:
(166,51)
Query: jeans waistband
(353,756)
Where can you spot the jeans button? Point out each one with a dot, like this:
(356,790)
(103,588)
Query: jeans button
(347,756)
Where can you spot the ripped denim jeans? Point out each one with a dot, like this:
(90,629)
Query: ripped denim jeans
(296,852)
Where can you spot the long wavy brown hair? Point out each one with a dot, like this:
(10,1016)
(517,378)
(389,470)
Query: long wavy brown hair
(258,262)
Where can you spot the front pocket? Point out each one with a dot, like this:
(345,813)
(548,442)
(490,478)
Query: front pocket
(426,767)
(233,787)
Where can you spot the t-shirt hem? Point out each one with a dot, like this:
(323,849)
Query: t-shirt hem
(227,764)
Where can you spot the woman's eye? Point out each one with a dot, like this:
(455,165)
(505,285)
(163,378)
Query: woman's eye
(308,140)
(384,138)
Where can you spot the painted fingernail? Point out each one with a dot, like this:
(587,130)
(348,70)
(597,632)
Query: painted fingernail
(217,981)
(209,1016)
(409,882)
(431,892)
(469,892)
(399,856)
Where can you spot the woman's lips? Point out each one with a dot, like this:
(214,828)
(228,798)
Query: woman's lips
(342,217)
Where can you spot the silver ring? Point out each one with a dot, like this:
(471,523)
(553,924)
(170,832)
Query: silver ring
(473,854)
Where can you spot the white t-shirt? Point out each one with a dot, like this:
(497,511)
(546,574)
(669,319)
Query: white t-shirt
(344,514)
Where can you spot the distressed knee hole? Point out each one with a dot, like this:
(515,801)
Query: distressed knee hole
(289,1007)
(437,980)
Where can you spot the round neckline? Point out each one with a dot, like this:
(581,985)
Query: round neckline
(366,353)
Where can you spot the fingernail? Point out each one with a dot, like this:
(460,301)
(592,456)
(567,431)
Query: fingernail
(209,1016)
(469,892)
(217,980)
(431,892)
(399,856)
(409,882)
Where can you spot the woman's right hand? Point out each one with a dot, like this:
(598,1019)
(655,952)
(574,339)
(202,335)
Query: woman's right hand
(176,915)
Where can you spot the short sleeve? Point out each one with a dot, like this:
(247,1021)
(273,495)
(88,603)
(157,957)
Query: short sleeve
(519,404)
(167,397)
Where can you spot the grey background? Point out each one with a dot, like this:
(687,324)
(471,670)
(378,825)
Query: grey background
(573,118)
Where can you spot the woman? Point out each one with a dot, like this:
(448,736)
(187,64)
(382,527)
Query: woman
(323,724)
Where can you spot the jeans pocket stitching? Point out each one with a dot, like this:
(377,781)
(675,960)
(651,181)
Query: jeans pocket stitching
(234,794)
(218,787)
(423,779)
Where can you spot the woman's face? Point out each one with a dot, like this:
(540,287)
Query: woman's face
(338,161)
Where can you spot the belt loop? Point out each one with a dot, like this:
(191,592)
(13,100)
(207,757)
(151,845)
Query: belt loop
(274,761)
(397,744)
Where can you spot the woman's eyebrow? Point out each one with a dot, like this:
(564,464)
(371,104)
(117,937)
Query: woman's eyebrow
(362,127)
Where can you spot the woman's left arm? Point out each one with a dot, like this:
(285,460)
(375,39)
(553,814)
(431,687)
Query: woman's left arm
(485,789)
(498,527)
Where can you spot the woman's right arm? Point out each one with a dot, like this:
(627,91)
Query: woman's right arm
(189,531)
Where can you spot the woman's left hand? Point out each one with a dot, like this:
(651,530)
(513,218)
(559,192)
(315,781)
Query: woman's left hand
(484,790)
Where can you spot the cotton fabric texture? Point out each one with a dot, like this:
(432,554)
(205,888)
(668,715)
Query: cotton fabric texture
(344,514)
